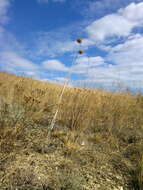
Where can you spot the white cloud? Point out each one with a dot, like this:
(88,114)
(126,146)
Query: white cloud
(119,24)
(99,8)
(111,76)
(127,56)
(58,41)
(11,59)
(1,33)
(55,65)
(128,65)
(62,80)
(4,5)
(106,27)
(133,12)
(42,1)
(129,59)
(53,48)
(11,62)
(129,53)
(83,64)
(47,1)
(97,72)
(127,69)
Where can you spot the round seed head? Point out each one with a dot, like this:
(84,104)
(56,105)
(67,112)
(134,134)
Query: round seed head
(80,52)
(79,40)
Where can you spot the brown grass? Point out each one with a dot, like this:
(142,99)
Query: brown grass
(93,128)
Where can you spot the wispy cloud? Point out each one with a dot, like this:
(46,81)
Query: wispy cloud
(11,59)
(11,62)
(84,64)
(4,5)
(47,1)
(96,9)
(58,41)
(103,30)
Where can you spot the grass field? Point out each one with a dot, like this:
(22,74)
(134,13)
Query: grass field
(97,141)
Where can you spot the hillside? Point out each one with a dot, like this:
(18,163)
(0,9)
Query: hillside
(96,144)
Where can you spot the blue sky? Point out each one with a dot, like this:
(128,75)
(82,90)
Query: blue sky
(37,39)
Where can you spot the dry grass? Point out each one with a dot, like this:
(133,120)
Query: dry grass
(93,128)
(140,177)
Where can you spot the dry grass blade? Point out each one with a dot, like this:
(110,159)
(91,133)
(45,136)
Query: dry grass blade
(96,142)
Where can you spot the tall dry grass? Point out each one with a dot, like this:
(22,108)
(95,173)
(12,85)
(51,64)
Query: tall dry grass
(95,120)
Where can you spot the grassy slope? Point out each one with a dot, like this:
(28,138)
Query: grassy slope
(96,143)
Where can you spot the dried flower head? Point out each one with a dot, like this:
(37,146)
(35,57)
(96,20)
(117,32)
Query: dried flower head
(79,40)
(80,52)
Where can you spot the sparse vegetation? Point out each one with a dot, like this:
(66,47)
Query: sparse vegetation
(97,142)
